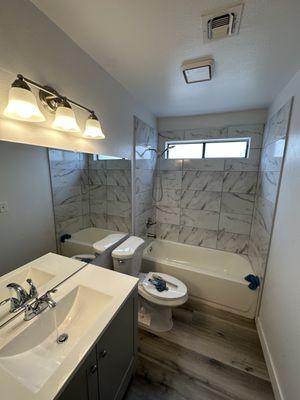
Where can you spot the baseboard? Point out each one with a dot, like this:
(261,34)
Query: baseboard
(269,361)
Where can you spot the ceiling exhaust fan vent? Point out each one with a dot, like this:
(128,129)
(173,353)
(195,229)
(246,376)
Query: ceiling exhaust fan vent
(222,23)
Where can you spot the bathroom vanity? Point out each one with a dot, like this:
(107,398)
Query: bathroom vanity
(82,349)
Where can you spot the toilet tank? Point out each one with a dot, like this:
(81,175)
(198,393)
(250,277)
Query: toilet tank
(128,256)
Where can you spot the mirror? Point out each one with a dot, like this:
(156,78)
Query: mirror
(55,201)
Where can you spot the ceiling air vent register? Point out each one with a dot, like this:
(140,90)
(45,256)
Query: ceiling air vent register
(221,24)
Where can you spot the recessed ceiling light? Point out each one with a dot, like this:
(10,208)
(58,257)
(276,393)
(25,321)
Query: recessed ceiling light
(197,70)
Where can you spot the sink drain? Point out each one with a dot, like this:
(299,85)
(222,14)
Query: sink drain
(62,338)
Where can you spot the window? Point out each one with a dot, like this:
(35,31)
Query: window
(217,148)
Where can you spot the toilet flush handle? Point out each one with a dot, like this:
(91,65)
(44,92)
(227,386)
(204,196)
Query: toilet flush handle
(121,261)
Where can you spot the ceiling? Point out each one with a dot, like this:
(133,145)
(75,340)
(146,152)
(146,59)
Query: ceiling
(142,44)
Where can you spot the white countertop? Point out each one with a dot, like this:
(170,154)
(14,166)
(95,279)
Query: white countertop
(117,286)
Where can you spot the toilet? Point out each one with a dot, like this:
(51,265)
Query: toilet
(155,307)
(103,249)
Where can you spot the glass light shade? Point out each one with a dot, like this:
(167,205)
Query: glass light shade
(93,129)
(22,106)
(65,120)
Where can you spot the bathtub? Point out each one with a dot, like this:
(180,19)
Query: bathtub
(213,277)
(82,241)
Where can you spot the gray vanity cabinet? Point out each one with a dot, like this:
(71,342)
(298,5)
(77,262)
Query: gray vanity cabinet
(84,384)
(115,352)
(107,370)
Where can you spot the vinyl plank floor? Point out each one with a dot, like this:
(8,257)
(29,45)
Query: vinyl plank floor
(208,355)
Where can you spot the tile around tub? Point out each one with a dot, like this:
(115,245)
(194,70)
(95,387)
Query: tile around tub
(272,156)
(65,177)
(116,223)
(66,194)
(199,218)
(244,164)
(200,200)
(278,124)
(100,207)
(255,132)
(235,223)
(233,242)
(97,177)
(119,193)
(97,193)
(237,203)
(98,220)
(170,179)
(169,165)
(116,177)
(167,231)
(216,164)
(205,133)
(240,182)
(118,164)
(69,226)
(167,197)
(198,237)
(202,180)
(143,180)
(67,211)
(265,209)
(119,208)
(168,215)
(268,184)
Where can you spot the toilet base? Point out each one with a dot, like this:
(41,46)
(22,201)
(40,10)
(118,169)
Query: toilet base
(154,317)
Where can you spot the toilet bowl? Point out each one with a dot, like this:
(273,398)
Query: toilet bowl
(155,307)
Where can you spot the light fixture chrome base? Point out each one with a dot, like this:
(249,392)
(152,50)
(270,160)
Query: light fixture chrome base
(50,101)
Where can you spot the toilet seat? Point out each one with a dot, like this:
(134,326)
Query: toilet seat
(175,296)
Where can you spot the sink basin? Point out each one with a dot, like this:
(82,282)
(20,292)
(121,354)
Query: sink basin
(38,277)
(36,348)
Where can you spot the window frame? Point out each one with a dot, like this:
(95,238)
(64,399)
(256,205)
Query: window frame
(204,142)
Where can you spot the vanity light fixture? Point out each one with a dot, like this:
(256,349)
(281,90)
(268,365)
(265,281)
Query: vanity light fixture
(65,118)
(93,128)
(22,105)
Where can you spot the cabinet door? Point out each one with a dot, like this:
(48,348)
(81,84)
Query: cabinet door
(84,384)
(115,351)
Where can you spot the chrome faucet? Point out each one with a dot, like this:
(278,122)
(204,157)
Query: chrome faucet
(40,304)
(22,296)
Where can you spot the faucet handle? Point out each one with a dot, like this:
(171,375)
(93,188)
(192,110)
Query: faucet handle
(33,293)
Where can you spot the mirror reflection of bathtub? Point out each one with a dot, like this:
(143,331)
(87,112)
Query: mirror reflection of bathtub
(82,241)
(213,277)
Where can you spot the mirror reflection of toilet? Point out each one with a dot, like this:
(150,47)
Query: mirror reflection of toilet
(155,307)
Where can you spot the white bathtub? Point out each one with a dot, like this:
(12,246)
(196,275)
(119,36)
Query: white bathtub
(213,277)
(82,241)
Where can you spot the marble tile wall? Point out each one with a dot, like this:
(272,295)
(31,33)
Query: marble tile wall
(70,191)
(145,137)
(110,194)
(268,187)
(208,202)
(88,192)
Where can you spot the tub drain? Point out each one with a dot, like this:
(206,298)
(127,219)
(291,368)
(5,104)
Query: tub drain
(62,338)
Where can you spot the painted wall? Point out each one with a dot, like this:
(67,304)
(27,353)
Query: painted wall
(218,120)
(33,45)
(27,230)
(278,320)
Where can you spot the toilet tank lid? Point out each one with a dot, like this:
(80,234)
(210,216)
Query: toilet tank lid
(128,248)
(108,241)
